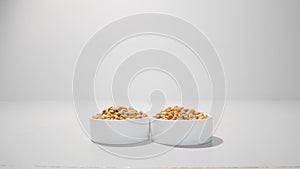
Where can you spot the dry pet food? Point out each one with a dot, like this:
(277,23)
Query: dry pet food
(180,113)
(119,113)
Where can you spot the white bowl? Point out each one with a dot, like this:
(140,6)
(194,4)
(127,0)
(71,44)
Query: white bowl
(119,131)
(181,132)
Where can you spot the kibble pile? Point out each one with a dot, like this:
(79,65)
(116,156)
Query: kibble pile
(119,113)
(180,113)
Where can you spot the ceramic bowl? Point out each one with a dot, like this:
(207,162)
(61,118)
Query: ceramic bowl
(119,131)
(181,132)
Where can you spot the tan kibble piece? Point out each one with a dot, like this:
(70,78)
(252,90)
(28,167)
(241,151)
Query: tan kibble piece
(119,113)
(180,113)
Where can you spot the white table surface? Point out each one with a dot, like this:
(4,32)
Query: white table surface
(253,134)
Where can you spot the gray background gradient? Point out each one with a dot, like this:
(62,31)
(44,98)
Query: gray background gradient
(258,42)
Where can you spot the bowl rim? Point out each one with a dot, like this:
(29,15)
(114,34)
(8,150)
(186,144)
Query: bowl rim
(151,118)
(125,120)
(184,121)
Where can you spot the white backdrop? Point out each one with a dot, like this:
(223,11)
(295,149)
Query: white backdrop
(257,41)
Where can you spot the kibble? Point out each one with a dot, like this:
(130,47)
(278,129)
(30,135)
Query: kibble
(180,113)
(119,113)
